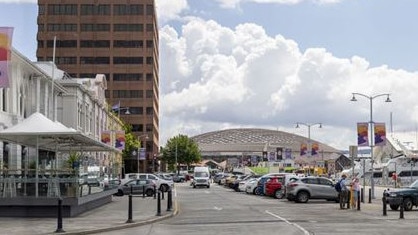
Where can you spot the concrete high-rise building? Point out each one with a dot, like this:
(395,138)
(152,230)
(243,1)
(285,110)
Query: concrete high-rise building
(115,38)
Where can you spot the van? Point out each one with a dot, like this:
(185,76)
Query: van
(201,177)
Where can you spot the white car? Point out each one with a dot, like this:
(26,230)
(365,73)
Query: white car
(251,185)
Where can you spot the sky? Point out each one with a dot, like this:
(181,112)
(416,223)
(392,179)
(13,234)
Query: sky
(272,63)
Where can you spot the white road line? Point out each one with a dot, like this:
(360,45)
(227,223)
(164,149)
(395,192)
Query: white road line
(217,208)
(288,222)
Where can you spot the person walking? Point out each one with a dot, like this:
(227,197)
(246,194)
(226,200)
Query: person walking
(344,192)
(355,189)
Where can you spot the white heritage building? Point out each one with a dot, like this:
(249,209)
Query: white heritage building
(63,118)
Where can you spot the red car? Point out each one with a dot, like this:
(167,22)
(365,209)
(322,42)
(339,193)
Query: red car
(274,187)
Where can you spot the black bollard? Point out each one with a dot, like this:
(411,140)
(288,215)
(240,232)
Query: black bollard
(401,210)
(162,194)
(143,191)
(155,191)
(362,195)
(59,217)
(358,200)
(384,203)
(169,200)
(132,189)
(349,199)
(370,195)
(130,210)
(159,204)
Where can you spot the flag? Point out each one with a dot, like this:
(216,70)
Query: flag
(362,134)
(120,140)
(288,153)
(5,47)
(272,156)
(105,137)
(279,152)
(379,134)
(314,149)
(303,149)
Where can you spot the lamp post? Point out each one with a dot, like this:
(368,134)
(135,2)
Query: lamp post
(309,125)
(371,130)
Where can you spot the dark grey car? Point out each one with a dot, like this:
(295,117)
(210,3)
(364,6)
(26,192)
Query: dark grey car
(137,186)
(311,187)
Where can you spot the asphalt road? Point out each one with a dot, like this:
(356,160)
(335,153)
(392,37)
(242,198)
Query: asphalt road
(221,211)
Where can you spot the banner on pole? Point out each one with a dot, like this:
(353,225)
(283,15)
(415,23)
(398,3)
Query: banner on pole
(379,134)
(5,48)
(303,149)
(362,134)
(120,140)
(314,149)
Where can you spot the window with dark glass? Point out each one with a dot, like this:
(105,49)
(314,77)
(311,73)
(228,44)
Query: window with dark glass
(136,127)
(149,60)
(41,27)
(128,44)
(149,127)
(128,27)
(95,43)
(150,27)
(149,94)
(90,9)
(128,60)
(149,111)
(41,9)
(61,43)
(131,9)
(95,27)
(149,9)
(40,44)
(94,60)
(148,77)
(62,9)
(136,110)
(66,60)
(127,77)
(149,44)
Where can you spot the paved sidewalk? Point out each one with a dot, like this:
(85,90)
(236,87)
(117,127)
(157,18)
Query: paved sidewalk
(112,216)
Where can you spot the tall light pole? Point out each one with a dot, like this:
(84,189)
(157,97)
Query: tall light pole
(371,143)
(309,125)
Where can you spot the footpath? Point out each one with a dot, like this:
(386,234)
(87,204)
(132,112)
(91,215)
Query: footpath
(109,217)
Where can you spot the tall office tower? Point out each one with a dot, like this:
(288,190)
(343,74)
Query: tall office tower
(118,38)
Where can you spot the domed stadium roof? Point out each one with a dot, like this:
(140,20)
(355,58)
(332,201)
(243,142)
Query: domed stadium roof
(249,140)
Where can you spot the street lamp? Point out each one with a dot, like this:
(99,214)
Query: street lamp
(371,129)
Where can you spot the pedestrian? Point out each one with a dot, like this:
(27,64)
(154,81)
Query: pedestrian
(344,192)
(355,189)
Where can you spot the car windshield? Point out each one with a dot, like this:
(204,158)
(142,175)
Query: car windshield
(201,174)
(414,184)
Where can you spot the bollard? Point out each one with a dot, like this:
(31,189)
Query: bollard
(162,194)
(143,191)
(131,189)
(159,204)
(349,198)
(370,195)
(59,219)
(155,191)
(401,210)
(384,203)
(362,195)
(169,200)
(358,200)
(130,210)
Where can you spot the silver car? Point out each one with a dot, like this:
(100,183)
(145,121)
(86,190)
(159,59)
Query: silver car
(311,187)
(137,186)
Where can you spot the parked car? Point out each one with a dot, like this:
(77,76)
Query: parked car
(162,184)
(260,190)
(242,184)
(311,187)
(409,195)
(235,185)
(217,178)
(179,178)
(275,187)
(137,186)
(251,185)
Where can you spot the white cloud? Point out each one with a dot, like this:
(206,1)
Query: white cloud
(170,10)
(242,77)
(236,3)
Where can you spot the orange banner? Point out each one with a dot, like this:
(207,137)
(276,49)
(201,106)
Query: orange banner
(362,134)
(5,48)
(379,134)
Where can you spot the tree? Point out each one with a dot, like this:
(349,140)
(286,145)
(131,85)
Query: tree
(131,145)
(181,149)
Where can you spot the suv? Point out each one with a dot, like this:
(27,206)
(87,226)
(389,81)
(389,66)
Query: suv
(311,187)
(409,195)
(161,184)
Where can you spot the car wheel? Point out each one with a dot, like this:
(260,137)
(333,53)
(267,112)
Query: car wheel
(302,197)
(181,180)
(278,194)
(208,186)
(394,207)
(149,192)
(194,186)
(257,191)
(407,204)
